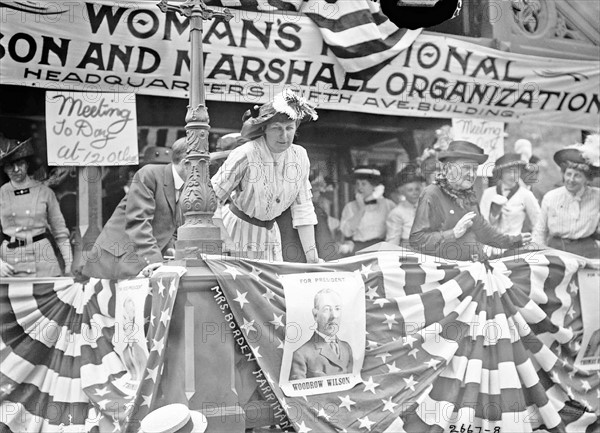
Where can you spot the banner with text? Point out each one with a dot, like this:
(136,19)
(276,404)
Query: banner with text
(90,128)
(123,47)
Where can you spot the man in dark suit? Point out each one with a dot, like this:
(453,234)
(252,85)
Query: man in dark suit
(324,354)
(143,226)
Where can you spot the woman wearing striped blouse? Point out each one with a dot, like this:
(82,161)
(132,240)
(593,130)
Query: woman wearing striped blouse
(570,220)
(264,177)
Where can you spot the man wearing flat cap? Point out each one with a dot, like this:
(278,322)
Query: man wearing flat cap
(448,223)
(144,224)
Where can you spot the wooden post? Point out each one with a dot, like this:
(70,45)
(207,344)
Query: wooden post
(89,213)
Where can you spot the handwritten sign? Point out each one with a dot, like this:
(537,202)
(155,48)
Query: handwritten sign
(489,135)
(91,128)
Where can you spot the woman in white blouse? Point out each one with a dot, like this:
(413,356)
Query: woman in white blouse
(507,205)
(264,177)
(363,219)
(570,218)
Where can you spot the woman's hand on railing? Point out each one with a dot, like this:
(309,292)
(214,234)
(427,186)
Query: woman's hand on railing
(6,270)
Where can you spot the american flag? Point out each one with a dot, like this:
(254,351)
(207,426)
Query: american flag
(358,34)
(59,369)
(480,347)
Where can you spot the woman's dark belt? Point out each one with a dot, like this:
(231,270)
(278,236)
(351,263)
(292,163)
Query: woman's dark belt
(22,242)
(251,220)
(569,240)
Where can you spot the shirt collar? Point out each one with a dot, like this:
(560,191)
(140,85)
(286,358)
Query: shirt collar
(578,195)
(176,178)
(327,338)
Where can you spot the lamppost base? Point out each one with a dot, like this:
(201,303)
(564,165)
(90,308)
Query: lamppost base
(197,240)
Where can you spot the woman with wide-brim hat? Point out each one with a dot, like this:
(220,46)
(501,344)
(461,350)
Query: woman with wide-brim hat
(570,217)
(409,183)
(509,204)
(363,219)
(265,176)
(448,223)
(29,216)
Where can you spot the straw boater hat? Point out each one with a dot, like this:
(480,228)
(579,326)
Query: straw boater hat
(11,150)
(584,157)
(408,174)
(174,418)
(284,106)
(464,150)
(371,174)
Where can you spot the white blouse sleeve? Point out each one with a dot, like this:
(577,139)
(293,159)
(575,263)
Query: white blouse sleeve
(303,210)
(230,174)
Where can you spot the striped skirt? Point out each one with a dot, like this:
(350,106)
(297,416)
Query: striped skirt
(251,241)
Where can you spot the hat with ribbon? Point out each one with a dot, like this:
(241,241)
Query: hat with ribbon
(509,160)
(462,149)
(365,172)
(174,418)
(12,150)
(285,106)
(156,155)
(584,157)
(408,174)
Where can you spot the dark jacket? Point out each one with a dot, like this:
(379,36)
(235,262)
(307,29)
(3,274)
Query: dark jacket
(432,232)
(141,228)
(316,358)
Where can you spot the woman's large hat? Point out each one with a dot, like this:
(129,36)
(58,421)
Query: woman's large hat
(586,155)
(174,418)
(287,104)
(12,150)
(464,150)
(365,172)
(509,160)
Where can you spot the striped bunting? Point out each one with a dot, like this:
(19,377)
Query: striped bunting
(58,368)
(358,34)
(485,347)
(448,347)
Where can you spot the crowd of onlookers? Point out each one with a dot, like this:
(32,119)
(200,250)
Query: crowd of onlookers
(565,218)
(271,208)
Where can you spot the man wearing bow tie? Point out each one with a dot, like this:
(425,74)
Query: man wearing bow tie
(324,354)
(144,224)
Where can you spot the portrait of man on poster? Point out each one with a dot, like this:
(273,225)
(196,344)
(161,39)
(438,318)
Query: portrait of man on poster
(324,354)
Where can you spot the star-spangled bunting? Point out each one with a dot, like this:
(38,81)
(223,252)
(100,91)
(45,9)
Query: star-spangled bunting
(418,334)
(62,303)
(407,369)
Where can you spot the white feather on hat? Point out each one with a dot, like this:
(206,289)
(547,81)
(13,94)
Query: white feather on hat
(590,149)
(294,106)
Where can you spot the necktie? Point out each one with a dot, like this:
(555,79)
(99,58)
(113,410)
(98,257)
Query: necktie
(178,211)
(335,346)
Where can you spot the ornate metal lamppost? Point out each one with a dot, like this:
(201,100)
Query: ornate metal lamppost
(198,234)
